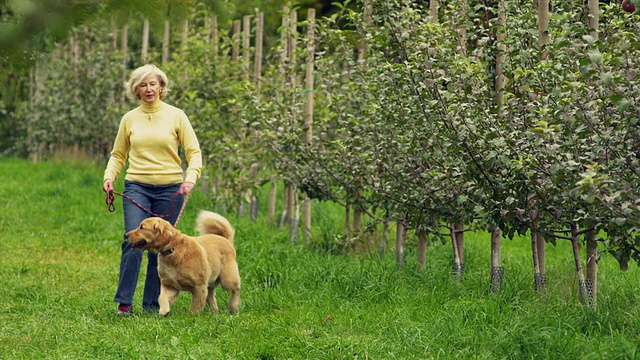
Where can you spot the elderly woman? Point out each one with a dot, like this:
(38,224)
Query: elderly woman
(150,136)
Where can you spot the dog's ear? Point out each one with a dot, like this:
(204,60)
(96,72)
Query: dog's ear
(168,230)
(163,228)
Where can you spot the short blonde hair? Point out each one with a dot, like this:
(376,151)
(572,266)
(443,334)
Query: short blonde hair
(141,73)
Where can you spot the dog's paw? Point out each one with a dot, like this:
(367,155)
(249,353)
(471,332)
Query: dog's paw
(165,315)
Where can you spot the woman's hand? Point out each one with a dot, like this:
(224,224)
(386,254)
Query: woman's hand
(186,187)
(107,186)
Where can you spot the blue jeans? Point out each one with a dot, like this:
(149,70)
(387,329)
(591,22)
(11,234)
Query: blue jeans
(160,200)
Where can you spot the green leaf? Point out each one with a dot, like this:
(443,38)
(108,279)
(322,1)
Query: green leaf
(619,101)
(589,39)
(606,77)
(619,221)
(595,56)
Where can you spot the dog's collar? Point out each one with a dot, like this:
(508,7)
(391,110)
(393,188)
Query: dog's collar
(168,252)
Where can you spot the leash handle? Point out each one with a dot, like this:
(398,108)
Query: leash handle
(110,201)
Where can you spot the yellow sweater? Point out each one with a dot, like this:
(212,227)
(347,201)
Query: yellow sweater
(149,135)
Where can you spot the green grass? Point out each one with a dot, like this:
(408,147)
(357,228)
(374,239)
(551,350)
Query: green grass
(59,259)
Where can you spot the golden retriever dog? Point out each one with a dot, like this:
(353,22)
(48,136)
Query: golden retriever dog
(195,264)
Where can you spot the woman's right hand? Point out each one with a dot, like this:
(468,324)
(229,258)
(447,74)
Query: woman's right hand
(107,186)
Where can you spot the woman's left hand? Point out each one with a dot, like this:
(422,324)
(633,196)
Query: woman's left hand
(186,187)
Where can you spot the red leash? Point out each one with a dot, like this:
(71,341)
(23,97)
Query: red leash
(110,199)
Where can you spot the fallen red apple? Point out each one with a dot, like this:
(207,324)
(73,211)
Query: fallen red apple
(627,6)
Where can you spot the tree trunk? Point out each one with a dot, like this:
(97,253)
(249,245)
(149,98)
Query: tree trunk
(582,286)
(536,266)
(295,225)
(254,207)
(541,243)
(306,219)
(356,228)
(273,196)
(400,240)
(459,227)
(497,271)
(290,201)
(383,240)
(422,250)
(457,264)
(287,209)
(253,199)
(347,222)
(592,266)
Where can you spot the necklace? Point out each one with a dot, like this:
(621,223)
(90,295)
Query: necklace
(150,113)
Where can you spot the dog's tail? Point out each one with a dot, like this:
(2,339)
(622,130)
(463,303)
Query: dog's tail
(209,222)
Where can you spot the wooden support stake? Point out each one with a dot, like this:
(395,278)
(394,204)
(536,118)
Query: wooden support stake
(145,41)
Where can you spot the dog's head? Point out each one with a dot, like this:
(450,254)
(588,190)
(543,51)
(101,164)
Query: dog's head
(154,234)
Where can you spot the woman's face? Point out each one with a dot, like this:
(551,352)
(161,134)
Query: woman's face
(149,89)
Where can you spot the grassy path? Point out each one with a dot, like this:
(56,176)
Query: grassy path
(58,271)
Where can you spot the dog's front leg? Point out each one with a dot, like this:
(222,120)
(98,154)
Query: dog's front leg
(199,295)
(167,297)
